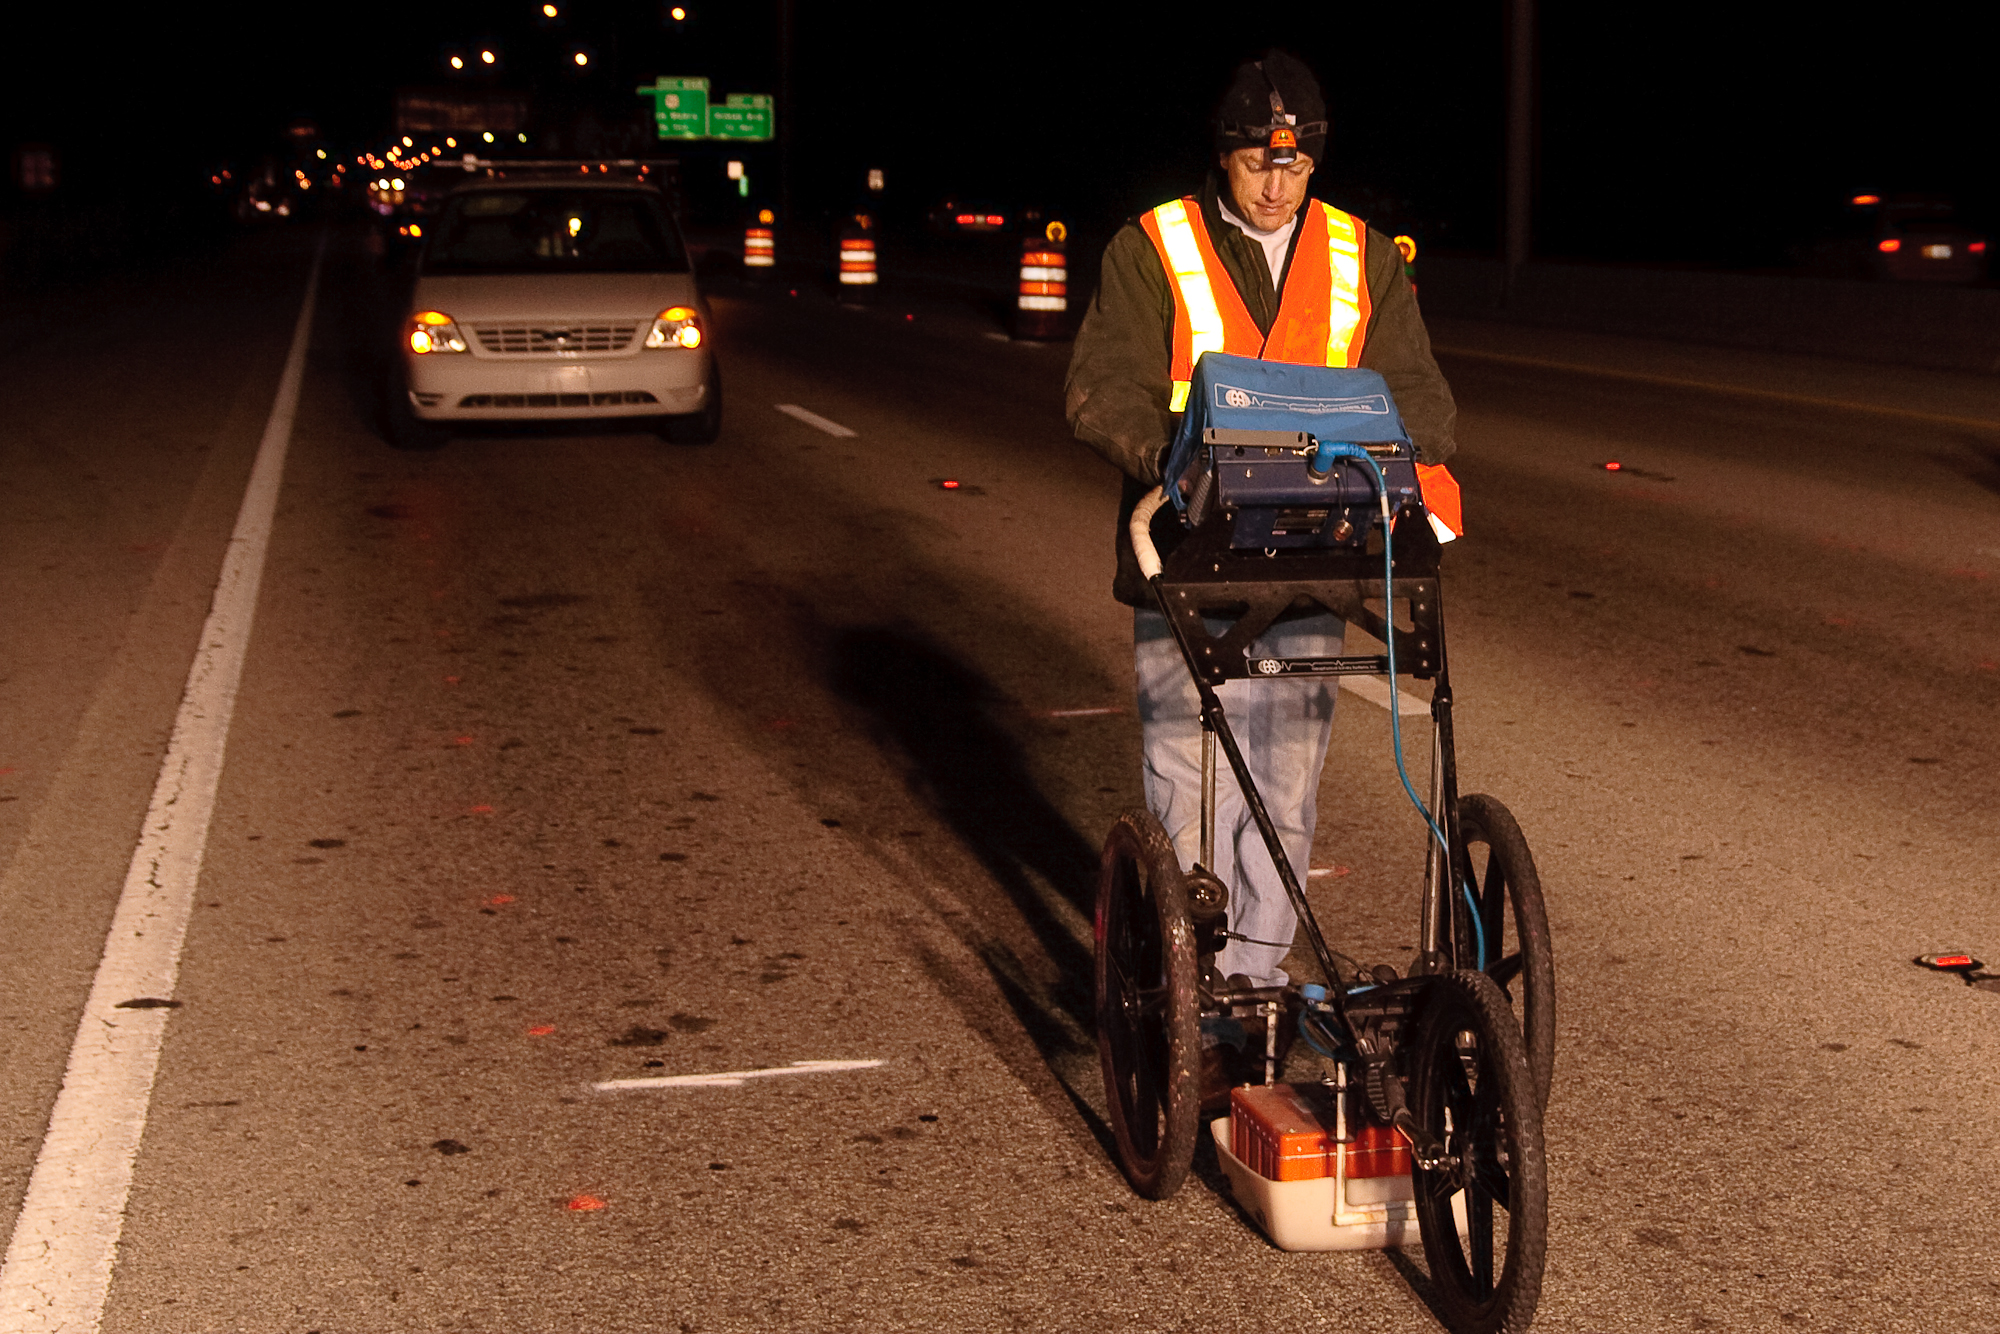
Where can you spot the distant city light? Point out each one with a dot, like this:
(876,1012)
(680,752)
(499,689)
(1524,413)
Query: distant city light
(409,142)
(322,154)
(678,13)
(548,11)
(522,137)
(582,59)
(458,62)
(488,136)
(486,57)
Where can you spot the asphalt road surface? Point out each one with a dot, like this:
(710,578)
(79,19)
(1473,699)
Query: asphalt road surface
(568,757)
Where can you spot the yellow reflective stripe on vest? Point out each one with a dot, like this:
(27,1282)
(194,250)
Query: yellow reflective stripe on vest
(1197,298)
(1343,253)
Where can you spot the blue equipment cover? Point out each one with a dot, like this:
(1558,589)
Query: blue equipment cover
(1245,394)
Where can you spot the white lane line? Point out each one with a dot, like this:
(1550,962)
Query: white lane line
(58,1268)
(1743,390)
(1376,692)
(729,1079)
(814,420)
(1099,712)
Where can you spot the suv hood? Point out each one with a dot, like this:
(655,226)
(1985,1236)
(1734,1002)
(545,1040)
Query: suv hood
(485,298)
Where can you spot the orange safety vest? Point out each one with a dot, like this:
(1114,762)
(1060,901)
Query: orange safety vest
(1322,313)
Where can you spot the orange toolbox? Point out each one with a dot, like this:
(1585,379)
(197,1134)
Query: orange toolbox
(1286,1132)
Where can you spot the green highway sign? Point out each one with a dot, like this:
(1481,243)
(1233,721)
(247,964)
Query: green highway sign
(680,107)
(742,116)
(682,110)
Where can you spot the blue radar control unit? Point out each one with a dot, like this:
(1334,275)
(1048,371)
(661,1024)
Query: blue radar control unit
(1283,451)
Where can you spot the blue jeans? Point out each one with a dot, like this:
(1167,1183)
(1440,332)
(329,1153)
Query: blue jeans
(1282,726)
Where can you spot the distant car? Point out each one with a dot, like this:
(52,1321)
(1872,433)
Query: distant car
(970,217)
(1903,238)
(550,299)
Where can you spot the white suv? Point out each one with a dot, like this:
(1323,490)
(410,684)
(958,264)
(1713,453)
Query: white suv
(555,299)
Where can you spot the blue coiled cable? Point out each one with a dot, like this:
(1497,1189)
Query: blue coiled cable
(1322,463)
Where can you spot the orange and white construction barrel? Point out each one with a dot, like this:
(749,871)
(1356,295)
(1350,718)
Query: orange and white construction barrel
(857,260)
(1041,310)
(760,242)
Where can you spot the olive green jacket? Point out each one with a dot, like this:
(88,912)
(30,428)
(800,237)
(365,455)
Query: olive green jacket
(1116,396)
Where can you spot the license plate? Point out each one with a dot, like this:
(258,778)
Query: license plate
(1937,252)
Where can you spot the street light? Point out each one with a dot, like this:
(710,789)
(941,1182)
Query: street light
(486,57)
(581,58)
(548,11)
(458,62)
(678,13)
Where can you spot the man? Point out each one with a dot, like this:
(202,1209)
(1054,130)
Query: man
(1250,267)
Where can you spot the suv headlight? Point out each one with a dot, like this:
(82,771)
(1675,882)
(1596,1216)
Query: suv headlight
(433,331)
(676,326)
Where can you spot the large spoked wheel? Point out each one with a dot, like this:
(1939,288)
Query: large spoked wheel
(1148,1016)
(1470,1088)
(1516,927)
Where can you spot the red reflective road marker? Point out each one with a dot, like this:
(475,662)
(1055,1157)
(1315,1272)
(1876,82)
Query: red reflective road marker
(482,810)
(461,741)
(541,1030)
(948,485)
(501,898)
(1613,466)
(584,1203)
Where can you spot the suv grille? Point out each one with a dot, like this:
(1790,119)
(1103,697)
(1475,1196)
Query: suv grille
(529,340)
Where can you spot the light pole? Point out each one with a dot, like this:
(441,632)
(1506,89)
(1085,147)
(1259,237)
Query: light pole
(787,113)
(1517,218)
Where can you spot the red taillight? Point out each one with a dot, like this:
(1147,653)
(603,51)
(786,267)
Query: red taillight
(994,220)
(965,220)
(1889,245)
(1863,201)
(1977,247)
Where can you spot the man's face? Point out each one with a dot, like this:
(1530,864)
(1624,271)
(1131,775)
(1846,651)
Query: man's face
(1264,195)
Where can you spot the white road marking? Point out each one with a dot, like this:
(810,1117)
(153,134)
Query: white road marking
(59,1264)
(729,1079)
(814,420)
(1079,713)
(1684,382)
(1376,692)
(997,337)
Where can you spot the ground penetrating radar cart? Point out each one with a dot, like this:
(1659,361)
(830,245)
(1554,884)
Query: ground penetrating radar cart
(1295,489)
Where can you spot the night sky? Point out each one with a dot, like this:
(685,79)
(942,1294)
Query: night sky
(1700,132)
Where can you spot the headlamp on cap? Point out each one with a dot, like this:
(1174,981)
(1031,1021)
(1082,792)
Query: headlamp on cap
(1282,147)
(1254,113)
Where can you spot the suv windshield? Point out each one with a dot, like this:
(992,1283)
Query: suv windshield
(554,231)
